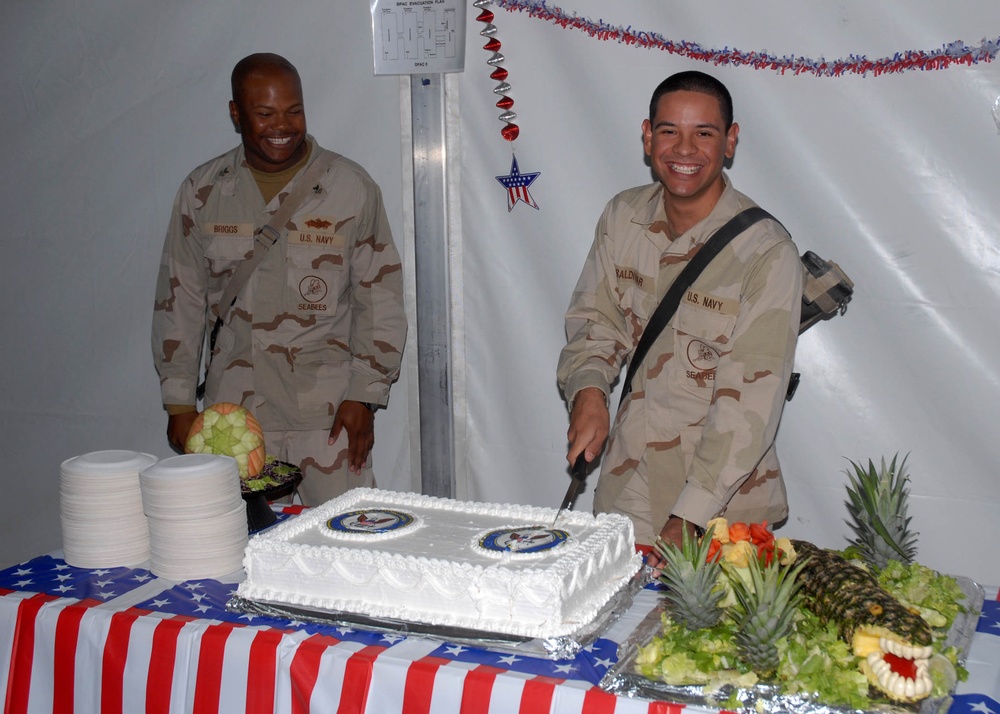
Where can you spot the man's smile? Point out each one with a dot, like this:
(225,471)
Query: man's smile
(685,168)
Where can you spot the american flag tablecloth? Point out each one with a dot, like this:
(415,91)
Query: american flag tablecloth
(122,640)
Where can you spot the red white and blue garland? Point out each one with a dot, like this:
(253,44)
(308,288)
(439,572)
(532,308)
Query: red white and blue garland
(953,53)
(516,183)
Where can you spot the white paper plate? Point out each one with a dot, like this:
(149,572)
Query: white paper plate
(105,463)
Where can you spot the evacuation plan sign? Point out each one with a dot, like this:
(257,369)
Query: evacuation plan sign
(418,36)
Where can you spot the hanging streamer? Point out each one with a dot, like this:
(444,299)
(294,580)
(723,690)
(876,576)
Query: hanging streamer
(953,53)
(510,129)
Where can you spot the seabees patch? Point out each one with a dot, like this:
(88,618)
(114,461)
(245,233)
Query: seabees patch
(316,253)
(702,356)
(709,313)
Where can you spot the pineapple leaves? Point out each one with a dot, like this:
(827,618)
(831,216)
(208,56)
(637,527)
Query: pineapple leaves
(692,581)
(877,506)
(767,607)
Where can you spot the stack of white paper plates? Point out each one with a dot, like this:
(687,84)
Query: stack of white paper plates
(100,509)
(196,514)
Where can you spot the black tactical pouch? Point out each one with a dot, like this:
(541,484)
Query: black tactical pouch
(825,292)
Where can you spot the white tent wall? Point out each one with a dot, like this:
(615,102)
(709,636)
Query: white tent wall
(110,105)
(894,177)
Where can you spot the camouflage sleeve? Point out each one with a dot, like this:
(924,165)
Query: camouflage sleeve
(378,329)
(750,384)
(597,333)
(178,326)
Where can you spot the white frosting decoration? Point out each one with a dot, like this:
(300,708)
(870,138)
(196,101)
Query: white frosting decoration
(434,574)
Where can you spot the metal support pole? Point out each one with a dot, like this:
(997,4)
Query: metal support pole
(437,456)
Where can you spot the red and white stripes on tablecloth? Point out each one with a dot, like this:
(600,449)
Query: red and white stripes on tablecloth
(66,655)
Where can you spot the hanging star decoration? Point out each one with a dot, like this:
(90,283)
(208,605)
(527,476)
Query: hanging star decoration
(517,185)
(515,182)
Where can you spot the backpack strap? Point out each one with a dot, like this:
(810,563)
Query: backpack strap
(668,305)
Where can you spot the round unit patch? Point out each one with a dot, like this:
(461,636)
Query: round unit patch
(702,356)
(369,523)
(521,540)
(313,288)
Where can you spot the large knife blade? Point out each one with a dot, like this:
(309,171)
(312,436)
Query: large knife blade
(577,476)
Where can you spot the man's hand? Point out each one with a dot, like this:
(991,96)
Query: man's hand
(672,532)
(589,423)
(178,428)
(360,424)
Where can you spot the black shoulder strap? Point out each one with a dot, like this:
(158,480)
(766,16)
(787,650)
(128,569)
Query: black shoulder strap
(668,306)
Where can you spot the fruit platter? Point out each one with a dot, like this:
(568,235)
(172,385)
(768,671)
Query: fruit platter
(232,430)
(749,622)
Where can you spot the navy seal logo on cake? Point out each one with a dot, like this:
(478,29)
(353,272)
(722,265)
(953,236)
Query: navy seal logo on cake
(522,539)
(370,521)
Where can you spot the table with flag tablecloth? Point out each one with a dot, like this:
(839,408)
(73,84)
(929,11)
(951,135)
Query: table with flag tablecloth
(122,640)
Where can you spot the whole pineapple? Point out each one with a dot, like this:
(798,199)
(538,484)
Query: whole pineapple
(878,511)
(693,591)
(767,606)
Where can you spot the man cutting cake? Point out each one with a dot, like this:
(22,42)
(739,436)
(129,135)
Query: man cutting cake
(694,438)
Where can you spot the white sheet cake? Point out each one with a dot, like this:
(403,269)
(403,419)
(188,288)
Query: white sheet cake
(403,556)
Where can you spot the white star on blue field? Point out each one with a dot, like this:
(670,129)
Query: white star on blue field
(517,185)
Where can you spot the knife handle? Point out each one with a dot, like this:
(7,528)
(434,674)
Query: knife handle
(579,469)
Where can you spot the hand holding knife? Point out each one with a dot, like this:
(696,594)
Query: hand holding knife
(578,474)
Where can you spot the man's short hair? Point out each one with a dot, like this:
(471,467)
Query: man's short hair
(694,81)
(260,61)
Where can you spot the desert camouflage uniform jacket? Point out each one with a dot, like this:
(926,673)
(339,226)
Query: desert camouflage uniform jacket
(705,404)
(321,318)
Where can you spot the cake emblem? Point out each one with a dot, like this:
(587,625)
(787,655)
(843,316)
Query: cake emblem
(373,520)
(523,539)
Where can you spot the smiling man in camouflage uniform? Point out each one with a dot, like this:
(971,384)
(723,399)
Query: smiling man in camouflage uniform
(695,438)
(315,338)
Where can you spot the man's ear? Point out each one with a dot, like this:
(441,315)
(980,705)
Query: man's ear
(647,136)
(732,137)
(234,115)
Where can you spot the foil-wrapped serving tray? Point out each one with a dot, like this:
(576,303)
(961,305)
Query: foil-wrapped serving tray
(556,648)
(622,678)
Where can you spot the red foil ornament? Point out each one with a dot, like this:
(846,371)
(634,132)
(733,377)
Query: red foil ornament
(510,130)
